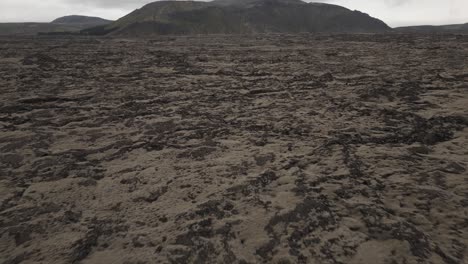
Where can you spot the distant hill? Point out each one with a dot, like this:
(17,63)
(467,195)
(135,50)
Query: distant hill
(239,17)
(64,24)
(33,28)
(457,28)
(81,20)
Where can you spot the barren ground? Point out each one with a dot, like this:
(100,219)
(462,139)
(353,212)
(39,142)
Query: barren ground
(228,149)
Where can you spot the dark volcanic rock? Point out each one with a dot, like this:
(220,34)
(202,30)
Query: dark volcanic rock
(267,148)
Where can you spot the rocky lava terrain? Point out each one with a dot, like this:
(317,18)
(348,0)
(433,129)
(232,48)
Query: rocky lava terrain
(229,149)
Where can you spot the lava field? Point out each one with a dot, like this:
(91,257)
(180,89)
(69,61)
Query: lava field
(234,149)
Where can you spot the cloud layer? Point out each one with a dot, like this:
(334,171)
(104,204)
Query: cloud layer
(411,12)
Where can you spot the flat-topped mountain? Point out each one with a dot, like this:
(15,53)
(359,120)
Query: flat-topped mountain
(68,24)
(240,17)
(456,28)
(81,20)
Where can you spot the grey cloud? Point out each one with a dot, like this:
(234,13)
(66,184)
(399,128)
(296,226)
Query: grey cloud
(396,2)
(391,3)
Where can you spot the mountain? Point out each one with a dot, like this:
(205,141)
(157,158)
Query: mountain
(246,3)
(457,28)
(239,17)
(69,24)
(81,20)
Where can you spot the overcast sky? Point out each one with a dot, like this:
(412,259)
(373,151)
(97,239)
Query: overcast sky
(393,12)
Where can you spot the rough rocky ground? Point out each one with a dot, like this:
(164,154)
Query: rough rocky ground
(228,149)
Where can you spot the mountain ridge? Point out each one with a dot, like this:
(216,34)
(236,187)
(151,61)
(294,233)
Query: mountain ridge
(68,24)
(226,17)
(81,20)
(240,17)
(452,28)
